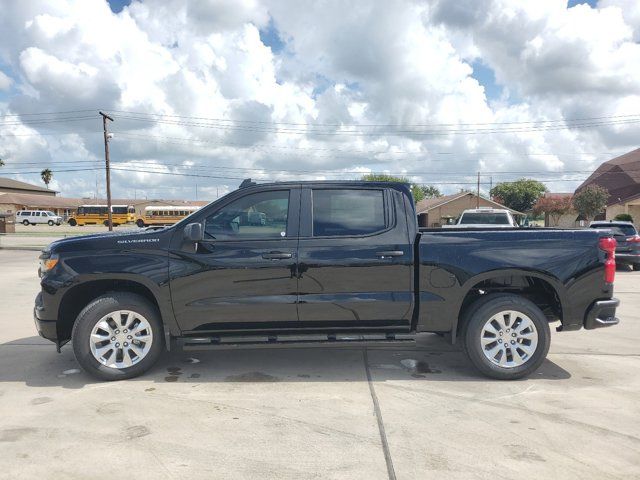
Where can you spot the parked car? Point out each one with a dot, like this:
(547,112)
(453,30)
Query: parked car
(626,234)
(342,263)
(34,217)
(485,218)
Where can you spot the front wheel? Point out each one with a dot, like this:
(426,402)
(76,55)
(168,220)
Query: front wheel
(506,336)
(25,222)
(73,222)
(51,222)
(140,223)
(118,336)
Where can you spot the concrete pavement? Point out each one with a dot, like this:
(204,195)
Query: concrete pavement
(310,413)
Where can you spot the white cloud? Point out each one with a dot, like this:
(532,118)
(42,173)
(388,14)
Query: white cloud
(5,81)
(373,63)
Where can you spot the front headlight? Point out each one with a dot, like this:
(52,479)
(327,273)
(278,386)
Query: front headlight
(47,262)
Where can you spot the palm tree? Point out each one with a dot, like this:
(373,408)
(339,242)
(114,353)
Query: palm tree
(46,175)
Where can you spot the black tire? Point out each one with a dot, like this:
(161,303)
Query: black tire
(140,223)
(480,312)
(636,267)
(51,222)
(25,223)
(73,222)
(95,311)
(106,223)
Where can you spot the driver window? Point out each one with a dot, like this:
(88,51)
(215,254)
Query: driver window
(260,215)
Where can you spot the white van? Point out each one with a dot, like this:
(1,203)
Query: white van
(34,217)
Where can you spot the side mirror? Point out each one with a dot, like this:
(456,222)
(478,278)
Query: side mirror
(193,232)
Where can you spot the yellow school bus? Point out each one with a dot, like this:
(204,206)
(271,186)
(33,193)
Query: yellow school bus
(97,214)
(164,215)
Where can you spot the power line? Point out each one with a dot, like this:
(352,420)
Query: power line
(45,121)
(47,113)
(187,140)
(196,167)
(258,122)
(390,125)
(309,131)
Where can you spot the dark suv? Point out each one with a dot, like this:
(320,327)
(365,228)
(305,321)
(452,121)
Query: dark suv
(626,234)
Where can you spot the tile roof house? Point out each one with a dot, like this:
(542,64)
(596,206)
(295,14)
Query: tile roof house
(621,177)
(9,185)
(435,212)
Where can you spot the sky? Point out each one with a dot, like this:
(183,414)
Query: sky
(206,93)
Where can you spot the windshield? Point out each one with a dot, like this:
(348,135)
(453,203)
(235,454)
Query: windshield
(625,229)
(51,214)
(485,218)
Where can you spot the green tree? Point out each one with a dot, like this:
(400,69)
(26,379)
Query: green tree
(419,192)
(46,176)
(623,217)
(555,207)
(590,201)
(429,191)
(520,195)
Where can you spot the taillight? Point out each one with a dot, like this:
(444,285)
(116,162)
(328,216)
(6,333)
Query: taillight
(634,239)
(608,244)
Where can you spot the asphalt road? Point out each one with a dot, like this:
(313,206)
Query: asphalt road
(419,413)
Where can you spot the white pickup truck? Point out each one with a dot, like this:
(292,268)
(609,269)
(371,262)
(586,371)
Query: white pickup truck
(485,218)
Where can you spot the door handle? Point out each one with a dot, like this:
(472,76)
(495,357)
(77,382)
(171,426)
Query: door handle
(390,253)
(276,255)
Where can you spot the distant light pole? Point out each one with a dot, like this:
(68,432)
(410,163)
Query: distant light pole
(107,136)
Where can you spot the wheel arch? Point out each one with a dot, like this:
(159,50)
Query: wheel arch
(80,295)
(545,291)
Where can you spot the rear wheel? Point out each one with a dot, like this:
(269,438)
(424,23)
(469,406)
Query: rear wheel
(506,336)
(118,336)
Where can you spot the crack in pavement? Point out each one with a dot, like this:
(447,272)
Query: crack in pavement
(376,408)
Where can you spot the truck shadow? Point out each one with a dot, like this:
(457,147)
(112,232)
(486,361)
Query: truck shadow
(37,364)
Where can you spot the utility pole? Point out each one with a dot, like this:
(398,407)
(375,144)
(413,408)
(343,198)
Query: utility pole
(478,196)
(106,117)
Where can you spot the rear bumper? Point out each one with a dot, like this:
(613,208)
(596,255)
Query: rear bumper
(602,313)
(628,257)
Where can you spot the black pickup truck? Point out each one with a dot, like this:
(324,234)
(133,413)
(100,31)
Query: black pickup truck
(321,263)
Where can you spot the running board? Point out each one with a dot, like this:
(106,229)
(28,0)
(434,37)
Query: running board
(294,341)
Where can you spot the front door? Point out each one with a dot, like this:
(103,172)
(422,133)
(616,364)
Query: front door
(244,272)
(355,259)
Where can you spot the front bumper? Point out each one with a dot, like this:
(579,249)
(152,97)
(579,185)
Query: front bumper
(602,313)
(46,328)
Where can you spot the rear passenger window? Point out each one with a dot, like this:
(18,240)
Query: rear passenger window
(348,212)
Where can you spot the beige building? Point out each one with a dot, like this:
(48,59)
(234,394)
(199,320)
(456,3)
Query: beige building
(435,212)
(8,185)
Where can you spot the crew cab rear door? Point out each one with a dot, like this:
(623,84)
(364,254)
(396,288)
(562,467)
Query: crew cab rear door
(243,274)
(355,258)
